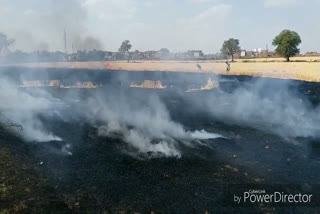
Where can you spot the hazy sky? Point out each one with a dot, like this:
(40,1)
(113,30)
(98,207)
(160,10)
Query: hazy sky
(178,25)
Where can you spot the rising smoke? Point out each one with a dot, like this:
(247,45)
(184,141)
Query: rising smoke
(21,108)
(43,28)
(268,105)
(88,43)
(145,124)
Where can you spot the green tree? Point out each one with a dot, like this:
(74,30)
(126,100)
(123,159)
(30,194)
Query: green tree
(287,43)
(125,48)
(230,47)
(5,43)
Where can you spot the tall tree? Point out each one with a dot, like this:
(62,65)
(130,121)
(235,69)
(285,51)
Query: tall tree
(125,48)
(287,43)
(230,47)
(5,43)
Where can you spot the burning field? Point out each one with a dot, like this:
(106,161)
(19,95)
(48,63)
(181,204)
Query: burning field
(305,69)
(153,142)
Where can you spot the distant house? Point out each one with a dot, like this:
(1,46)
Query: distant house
(180,56)
(257,53)
(263,53)
(243,53)
(272,54)
(195,53)
(240,54)
(312,54)
(251,54)
(136,55)
(150,55)
(217,56)
(110,56)
(237,55)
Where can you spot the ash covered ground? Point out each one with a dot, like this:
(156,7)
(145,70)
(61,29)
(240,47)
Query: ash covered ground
(115,149)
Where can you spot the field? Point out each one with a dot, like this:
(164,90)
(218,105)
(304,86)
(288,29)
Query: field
(279,59)
(301,68)
(248,133)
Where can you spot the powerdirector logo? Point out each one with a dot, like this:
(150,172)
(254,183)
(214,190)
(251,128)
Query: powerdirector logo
(274,195)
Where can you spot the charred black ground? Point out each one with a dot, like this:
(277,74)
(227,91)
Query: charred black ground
(101,176)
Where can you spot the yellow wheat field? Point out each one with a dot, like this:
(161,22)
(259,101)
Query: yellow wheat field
(307,71)
(279,59)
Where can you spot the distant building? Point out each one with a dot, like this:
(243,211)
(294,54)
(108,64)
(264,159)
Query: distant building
(237,55)
(266,53)
(180,56)
(312,54)
(217,56)
(263,53)
(240,54)
(272,54)
(243,53)
(251,54)
(150,55)
(195,53)
(136,55)
(110,56)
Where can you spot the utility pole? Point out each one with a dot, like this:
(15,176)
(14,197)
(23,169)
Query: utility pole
(65,41)
(267,52)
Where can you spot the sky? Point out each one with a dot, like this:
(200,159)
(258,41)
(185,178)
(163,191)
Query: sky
(178,25)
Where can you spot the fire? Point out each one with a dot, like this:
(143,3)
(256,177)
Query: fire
(209,86)
(56,84)
(88,85)
(39,83)
(149,84)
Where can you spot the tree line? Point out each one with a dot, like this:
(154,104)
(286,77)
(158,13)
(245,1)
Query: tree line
(286,44)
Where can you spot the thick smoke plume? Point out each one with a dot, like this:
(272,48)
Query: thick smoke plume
(269,105)
(42,28)
(21,108)
(88,43)
(145,124)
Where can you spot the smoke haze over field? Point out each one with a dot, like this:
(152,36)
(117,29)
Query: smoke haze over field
(269,105)
(22,108)
(190,24)
(142,122)
(145,122)
(39,25)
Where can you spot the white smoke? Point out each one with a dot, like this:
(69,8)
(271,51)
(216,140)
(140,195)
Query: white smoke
(203,135)
(269,106)
(21,108)
(145,126)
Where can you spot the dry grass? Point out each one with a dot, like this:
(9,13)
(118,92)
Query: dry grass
(278,59)
(307,71)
